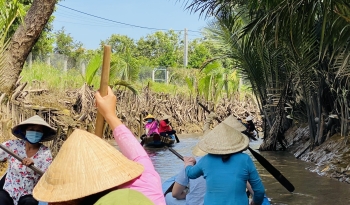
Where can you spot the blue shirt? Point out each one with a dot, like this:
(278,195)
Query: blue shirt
(226,181)
(197,187)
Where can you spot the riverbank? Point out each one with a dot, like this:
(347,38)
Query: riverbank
(331,159)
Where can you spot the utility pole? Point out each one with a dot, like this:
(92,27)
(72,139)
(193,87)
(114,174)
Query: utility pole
(185,48)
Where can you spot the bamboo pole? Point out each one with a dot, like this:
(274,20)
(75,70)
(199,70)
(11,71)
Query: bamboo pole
(140,126)
(103,87)
(34,168)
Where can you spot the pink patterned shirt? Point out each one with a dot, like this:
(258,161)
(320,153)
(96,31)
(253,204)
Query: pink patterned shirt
(20,180)
(151,128)
(149,182)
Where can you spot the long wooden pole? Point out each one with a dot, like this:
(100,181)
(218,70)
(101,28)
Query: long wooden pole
(103,87)
(34,168)
(170,189)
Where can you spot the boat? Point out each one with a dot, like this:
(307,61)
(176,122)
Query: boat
(172,201)
(158,141)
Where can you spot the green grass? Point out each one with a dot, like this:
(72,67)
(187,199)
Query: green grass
(168,88)
(54,78)
(57,79)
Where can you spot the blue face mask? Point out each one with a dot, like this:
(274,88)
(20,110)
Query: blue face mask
(33,137)
(149,120)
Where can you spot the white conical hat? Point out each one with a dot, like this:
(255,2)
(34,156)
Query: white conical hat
(223,139)
(164,117)
(20,132)
(85,165)
(233,122)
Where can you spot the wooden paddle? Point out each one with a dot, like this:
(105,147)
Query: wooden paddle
(180,157)
(269,167)
(103,87)
(177,139)
(273,171)
(34,168)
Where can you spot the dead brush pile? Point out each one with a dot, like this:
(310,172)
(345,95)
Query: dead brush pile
(73,109)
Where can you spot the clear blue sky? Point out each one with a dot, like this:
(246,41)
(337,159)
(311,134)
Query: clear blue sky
(162,14)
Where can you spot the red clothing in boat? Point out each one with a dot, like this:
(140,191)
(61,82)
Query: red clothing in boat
(164,127)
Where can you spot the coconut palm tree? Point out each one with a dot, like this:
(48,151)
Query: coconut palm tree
(296,51)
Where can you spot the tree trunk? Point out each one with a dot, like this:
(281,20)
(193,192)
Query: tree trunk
(23,41)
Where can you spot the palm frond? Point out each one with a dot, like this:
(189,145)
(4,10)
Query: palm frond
(92,67)
(125,84)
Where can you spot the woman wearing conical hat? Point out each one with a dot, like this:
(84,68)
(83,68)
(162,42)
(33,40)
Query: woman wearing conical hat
(251,130)
(165,127)
(87,170)
(151,130)
(151,125)
(225,168)
(17,184)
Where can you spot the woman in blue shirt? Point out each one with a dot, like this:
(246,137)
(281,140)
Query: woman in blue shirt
(226,169)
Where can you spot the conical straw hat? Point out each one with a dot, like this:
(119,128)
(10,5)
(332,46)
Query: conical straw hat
(85,165)
(20,132)
(223,139)
(149,116)
(164,117)
(233,122)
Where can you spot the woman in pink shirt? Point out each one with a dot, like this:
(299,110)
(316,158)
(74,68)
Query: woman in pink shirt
(151,126)
(149,183)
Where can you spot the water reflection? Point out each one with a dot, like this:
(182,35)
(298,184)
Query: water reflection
(310,188)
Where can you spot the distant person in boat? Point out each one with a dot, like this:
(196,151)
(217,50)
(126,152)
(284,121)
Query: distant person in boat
(87,170)
(251,130)
(17,185)
(191,191)
(165,127)
(225,168)
(151,126)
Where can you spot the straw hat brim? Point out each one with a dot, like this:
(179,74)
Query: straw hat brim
(85,165)
(196,151)
(223,139)
(233,122)
(20,132)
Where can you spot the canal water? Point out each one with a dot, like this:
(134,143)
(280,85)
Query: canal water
(310,188)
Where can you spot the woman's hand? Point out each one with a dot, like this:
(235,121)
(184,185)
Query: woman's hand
(106,106)
(27,161)
(189,161)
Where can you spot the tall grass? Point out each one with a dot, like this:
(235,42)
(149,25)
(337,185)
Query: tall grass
(54,78)
(57,79)
(168,88)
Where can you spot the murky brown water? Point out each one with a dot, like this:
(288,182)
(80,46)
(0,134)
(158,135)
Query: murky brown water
(310,189)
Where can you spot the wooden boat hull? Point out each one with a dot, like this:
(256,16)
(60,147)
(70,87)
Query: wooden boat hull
(159,141)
